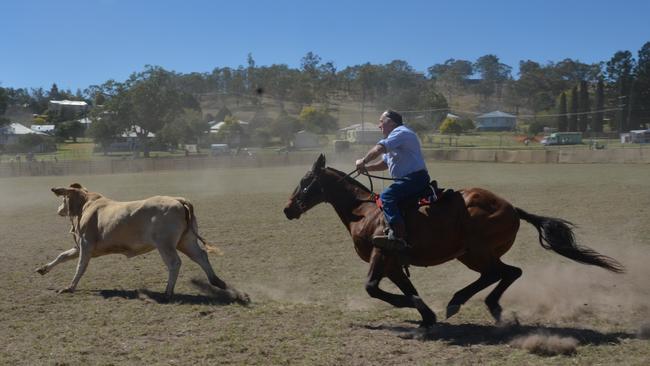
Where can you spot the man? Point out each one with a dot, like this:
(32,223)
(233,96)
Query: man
(402,156)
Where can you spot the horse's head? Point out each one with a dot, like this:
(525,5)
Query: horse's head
(309,192)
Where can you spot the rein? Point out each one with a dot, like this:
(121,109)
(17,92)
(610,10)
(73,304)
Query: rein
(370,176)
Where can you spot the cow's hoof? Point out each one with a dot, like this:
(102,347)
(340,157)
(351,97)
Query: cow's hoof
(41,270)
(67,290)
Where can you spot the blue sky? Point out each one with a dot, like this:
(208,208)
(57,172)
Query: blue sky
(79,43)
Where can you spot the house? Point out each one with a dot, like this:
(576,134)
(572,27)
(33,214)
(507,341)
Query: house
(496,121)
(10,133)
(305,139)
(216,126)
(636,137)
(361,133)
(68,109)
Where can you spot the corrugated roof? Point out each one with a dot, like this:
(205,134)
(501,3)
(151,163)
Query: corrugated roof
(69,102)
(18,129)
(496,114)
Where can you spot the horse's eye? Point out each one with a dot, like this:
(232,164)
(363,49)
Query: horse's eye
(304,190)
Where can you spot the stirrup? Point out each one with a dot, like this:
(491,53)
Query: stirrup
(390,242)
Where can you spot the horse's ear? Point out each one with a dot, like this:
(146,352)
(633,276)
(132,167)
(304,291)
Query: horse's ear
(319,164)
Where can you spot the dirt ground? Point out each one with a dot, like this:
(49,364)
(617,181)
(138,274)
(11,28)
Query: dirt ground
(309,305)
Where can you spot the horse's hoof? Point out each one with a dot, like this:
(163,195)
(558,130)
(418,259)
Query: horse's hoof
(41,270)
(243,298)
(452,309)
(67,290)
(426,324)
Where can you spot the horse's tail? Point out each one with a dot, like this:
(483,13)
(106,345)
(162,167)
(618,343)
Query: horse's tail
(192,225)
(557,235)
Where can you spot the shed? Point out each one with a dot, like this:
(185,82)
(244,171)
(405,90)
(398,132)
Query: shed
(49,129)
(636,137)
(359,133)
(496,121)
(305,139)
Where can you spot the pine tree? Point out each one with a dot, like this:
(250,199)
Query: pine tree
(573,108)
(562,120)
(597,122)
(583,106)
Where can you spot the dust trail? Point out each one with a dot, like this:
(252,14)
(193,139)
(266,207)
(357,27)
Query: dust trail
(546,344)
(572,292)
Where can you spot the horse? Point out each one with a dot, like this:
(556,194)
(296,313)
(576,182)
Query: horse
(474,226)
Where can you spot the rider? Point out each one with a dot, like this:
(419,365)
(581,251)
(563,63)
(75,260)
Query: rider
(402,156)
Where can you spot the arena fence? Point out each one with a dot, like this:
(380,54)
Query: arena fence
(100,166)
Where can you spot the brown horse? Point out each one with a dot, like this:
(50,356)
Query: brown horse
(473,225)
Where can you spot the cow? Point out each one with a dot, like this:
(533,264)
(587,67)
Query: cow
(103,226)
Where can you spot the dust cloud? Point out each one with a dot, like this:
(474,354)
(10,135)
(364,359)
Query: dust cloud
(546,344)
(571,292)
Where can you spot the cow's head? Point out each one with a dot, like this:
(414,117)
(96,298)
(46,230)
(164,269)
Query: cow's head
(74,199)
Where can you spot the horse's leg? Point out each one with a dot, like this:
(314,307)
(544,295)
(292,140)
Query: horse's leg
(508,274)
(399,278)
(461,297)
(381,266)
(375,275)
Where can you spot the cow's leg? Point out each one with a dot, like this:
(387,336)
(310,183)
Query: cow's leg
(85,253)
(173,263)
(63,257)
(191,248)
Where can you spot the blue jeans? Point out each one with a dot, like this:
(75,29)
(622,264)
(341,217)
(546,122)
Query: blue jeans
(407,186)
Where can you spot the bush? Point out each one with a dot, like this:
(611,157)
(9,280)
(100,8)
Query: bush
(535,128)
(466,124)
(32,143)
(450,126)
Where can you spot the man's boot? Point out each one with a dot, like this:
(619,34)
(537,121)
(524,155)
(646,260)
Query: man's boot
(395,239)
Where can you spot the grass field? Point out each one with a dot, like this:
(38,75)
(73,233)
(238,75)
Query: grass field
(309,306)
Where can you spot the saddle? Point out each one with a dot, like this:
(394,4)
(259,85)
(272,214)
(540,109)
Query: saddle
(428,196)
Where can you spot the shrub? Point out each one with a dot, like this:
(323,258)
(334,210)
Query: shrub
(450,126)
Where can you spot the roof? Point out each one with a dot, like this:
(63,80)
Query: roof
(217,126)
(496,114)
(359,126)
(18,129)
(85,120)
(133,132)
(69,102)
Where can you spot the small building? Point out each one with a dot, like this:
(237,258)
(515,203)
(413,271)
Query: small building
(48,129)
(216,126)
(305,140)
(496,121)
(10,133)
(359,133)
(68,109)
(636,137)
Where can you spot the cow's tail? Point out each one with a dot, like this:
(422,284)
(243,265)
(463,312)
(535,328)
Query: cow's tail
(192,225)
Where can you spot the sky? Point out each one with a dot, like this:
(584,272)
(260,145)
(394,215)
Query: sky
(76,43)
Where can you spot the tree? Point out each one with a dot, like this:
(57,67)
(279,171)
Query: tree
(583,106)
(222,114)
(573,108)
(493,75)
(232,132)
(54,93)
(450,126)
(619,72)
(154,100)
(285,126)
(69,129)
(4,101)
(640,113)
(104,130)
(597,121)
(186,128)
(318,120)
(562,119)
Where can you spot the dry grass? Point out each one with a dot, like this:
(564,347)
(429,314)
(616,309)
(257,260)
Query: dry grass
(307,284)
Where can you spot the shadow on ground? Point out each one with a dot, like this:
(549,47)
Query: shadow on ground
(211,296)
(476,334)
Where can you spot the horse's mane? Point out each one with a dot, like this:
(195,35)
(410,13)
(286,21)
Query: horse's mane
(350,179)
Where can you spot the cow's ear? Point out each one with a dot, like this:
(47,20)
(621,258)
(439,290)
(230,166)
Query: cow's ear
(319,164)
(76,185)
(60,191)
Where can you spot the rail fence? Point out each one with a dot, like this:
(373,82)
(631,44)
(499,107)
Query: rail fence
(116,166)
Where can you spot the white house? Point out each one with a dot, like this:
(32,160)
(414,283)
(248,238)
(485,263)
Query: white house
(49,129)
(10,133)
(366,133)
